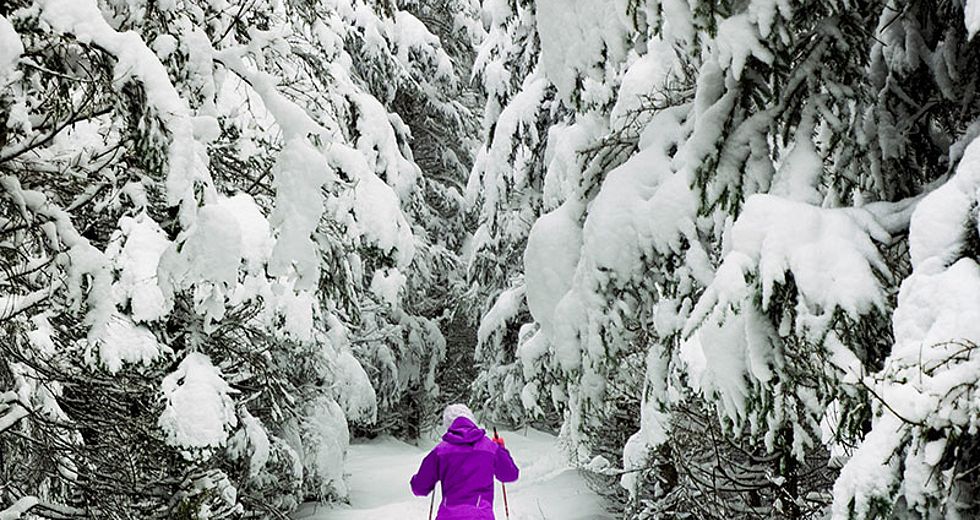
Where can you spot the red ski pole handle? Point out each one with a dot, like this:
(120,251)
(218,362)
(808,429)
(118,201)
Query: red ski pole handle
(497,438)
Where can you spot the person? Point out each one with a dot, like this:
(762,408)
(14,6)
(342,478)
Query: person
(466,462)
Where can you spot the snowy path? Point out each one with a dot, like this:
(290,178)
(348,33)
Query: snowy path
(380,470)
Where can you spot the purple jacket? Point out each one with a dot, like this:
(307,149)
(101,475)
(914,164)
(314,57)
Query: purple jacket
(466,462)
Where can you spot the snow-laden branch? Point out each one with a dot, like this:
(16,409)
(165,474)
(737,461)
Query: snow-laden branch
(895,217)
(20,508)
(37,508)
(11,409)
(14,413)
(186,155)
(14,304)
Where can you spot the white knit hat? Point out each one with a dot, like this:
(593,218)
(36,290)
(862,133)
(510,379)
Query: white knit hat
(453,412)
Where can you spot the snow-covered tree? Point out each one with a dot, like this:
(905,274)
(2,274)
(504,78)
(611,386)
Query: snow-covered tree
(726,213)
(504,191)
(214,247)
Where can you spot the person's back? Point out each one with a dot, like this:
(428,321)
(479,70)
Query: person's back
(466,462)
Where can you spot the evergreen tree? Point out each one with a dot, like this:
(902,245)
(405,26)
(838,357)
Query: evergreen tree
(215,255)
(727,210)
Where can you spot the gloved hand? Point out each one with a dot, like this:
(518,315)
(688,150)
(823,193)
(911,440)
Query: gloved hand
(499,440)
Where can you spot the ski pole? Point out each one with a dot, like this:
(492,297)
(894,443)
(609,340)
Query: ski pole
(432,502)
(503,486)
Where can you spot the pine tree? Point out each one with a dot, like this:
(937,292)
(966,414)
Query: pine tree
(214,229)
(725,233)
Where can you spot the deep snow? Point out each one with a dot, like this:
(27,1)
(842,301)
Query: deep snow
(380,469)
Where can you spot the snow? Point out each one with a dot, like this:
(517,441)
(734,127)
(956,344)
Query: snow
(380,219)
(12,411)
(678,21)
(297,308)
(552,252)
(577,38)
(299,174)
(19,508)
(567,341)
(386,284)
(87,265)
(831,257)
(695,231)
(355,395)
(136,193)
(380,470)
(565,143)
(254,230)
(13,304)
(642,205)
(716,354)
(187,158)
(325,440)
(137,261)
(40,336)
(644,78)
(529,351)
(164,45)
(971,15)
(259,440)
(935,309)
(506,307)
(123,341)
(223,259)
(937,327)
(206,128)
(378,144)
(871,469)
(212,255)
(654,421)
(763,13)
(251,442)
(411,34)
(294,122)
(830,253)
(738,39)
(495,164)
(10,50)
(611,234)
(198,409)
(801,168)
(937,226)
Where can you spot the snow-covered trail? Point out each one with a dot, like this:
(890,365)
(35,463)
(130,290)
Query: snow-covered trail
(380,470)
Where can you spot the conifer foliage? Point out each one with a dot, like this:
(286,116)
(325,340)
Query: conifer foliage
(751,227)
(730,248)
(215,245)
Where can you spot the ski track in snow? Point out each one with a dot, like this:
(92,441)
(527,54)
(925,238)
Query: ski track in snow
(548,488)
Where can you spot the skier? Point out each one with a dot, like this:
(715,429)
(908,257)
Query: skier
(466,462)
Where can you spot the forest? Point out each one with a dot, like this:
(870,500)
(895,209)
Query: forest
(728,251)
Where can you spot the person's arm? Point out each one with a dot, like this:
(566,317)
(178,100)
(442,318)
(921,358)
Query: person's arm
(425,479)
(503,464)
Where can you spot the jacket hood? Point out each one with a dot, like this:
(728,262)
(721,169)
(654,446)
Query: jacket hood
(463,431)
